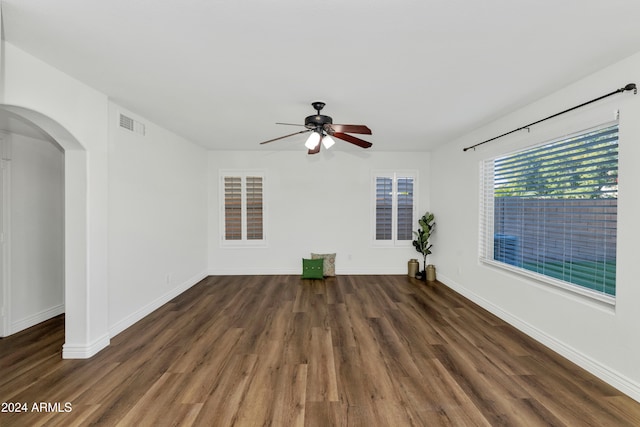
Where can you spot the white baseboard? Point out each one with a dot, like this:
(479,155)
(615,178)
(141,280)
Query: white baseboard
(154,305)
(34,319)
(76,351)
(292,271)
(252,272)
(610,376)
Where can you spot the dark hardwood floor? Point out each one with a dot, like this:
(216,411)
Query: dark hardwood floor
(282,351)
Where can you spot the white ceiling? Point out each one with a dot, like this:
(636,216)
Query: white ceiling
(418,72)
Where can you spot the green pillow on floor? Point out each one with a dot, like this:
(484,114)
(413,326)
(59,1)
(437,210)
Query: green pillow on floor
(312,268)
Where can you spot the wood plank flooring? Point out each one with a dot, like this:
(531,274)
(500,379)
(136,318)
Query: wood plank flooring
(282,351)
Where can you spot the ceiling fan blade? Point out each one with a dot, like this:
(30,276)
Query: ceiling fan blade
(286,136)
(290,124)
(362,129)
(315,150)
(352,139)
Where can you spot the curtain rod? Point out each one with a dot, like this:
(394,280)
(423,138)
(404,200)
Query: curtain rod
(630,86)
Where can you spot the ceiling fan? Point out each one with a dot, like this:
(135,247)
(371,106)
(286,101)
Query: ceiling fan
(323,130)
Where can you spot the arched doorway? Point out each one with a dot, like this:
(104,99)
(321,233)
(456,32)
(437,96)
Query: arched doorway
(75,221)
(32,226)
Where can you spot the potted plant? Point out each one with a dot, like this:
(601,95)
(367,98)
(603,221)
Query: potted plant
(421,243)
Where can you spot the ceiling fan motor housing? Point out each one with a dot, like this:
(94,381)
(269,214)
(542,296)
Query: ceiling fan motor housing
(318,120)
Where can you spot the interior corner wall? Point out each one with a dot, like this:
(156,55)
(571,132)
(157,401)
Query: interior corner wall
(321,203)
(157,218)
(602,340)
(37,231)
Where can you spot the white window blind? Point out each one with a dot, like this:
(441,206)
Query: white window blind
(394,208)
(243,205)
(551,211)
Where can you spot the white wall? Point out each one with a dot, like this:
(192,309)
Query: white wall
(320,203)
(602,339)
(37,232)
(157,218)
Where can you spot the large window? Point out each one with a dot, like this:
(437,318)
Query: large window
(394,207)
(243,207)
(551,211)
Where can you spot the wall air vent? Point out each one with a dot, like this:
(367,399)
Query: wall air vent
(131,124)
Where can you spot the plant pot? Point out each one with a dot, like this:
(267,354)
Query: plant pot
(431,273)
(413,267)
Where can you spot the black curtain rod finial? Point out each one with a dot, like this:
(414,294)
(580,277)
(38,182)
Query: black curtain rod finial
(632,86)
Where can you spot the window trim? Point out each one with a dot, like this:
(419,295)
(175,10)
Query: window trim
(243,174)
(550,281)
(486,225)
(394,175)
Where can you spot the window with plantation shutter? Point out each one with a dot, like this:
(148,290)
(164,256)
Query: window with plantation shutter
(243,206)
(394,208)
(551,212)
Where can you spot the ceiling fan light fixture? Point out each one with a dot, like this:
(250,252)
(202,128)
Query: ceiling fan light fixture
(313,140)
(327,141)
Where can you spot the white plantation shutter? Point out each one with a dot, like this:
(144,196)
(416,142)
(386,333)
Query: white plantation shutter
(233,208)
(405,224)
(384,208)
(551,211)
(254,208)
(243,204)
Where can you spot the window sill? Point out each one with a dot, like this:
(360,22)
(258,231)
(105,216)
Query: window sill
(242,244)
(385,244)
(584,294)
